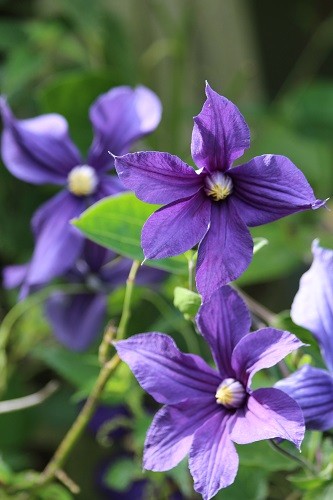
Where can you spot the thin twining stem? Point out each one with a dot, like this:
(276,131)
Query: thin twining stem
(306,465)
(63,451)
(28,401)
(258,309)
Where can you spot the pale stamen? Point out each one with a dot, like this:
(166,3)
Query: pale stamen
(230,393)
(218,186)
(82,180)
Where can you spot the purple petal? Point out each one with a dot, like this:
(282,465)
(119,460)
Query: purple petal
(223,321)
(169,375)
(120,117)
(268,414)
(261,349)
(220,133)
(225,252)
(109,185)
(177,227)
(96,256)
(312,389)
(58,243)
(171,433)
(158,177)
(270,187)
(14,276)
(76,320)
(313,304)
(213,458)
(38,150)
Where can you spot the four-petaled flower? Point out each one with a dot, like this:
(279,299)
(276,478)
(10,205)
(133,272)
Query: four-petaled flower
(312,308)
(207,411)
(39,150)
(214,205)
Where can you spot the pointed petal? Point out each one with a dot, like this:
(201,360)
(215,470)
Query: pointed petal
(313,304)
(268,414)
(225,252)
(158,177)
(223,321)
(213,458)
(58,243)
(166,373)
(220,133)
(120,117)
(14,276)
(312,389)
(177,227)
(261,349)
(270,187)
(38,150)
(76,320)
(170,435)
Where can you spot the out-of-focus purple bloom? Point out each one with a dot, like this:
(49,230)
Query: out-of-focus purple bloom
(312,308)
(207,411)
(104,418)
(77,319)
(213,205)
(39,150)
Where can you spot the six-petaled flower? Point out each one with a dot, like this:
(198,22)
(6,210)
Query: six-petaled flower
(207,411)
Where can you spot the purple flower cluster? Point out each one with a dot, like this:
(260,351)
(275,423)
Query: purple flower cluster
(206,411)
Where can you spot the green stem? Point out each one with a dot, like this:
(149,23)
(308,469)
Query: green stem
(308,467)
(60,456)
(75,432)
(126,313)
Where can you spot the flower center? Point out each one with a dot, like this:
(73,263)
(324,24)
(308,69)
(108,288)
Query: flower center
(82,180)
(218,186)
(230,393)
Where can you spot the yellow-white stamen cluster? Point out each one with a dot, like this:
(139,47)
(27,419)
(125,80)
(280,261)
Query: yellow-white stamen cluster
(230,393)
(82,180)
(218,186)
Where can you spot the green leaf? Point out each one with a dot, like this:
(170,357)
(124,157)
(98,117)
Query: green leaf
(116,223)
(261,455)
(186,301)
(54,492)
(122,473)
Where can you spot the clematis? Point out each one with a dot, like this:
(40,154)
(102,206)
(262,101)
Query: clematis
(206,411)
(312,308)
(214,205)
(77,319)
(39,150)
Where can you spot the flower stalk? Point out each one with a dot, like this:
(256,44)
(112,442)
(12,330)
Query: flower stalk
(60,456)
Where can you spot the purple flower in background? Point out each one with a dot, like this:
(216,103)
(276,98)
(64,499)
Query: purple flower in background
(312,308)
(39,150)
(77,319)
(214,205)
(207,411)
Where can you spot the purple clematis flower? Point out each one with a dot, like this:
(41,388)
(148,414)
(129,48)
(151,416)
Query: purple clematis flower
(39,151)
(214,205)
(77,319)
(207,411)
(312,308)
